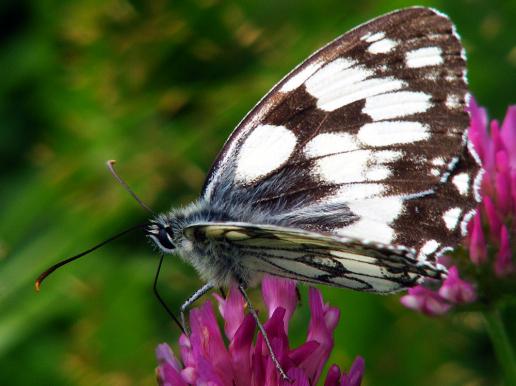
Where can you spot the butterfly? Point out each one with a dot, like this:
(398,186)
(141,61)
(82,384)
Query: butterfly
(354,171)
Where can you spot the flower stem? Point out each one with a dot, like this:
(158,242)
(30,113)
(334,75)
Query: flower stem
(501,344)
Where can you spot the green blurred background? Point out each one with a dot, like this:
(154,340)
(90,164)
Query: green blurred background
(158,86)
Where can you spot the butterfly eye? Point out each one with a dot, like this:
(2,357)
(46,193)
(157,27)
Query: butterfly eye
(165,238)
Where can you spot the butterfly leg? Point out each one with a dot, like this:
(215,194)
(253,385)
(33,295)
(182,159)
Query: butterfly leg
(264,333)
(199,293)
(160,299)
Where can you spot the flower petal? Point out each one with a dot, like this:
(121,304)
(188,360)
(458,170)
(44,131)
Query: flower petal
(456,290)
(232,310)
(492,218)
(513,192)
(426,301)
(280,349)
(354,377)
(185,347)
(262,363)
(190,375)
(208,374)
(503,264)
(503,182)
(478,129)
(165,354)
(208,345)
(477,244)
(297,378)
(279,292)
(303,352)
(508,134)
(169,370)
(333,376)
(240,351)
(320,329)
(498,144)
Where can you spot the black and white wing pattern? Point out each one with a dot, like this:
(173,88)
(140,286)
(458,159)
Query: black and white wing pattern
(315,258)
(366,139)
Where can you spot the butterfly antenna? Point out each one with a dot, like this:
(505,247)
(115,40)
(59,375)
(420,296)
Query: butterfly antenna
(111,167)
(47,272)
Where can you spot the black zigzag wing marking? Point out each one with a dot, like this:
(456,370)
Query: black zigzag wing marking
(371,125)
(316,258)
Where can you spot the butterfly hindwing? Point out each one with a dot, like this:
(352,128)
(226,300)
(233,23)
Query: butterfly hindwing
(314,258)
(369,130)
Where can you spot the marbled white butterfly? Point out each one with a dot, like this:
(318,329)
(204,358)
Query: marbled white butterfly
(353,171)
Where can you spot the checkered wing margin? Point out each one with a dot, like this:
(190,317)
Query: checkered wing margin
(365,139)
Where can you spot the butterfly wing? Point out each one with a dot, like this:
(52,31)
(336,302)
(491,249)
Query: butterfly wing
(315,258)
(365,139)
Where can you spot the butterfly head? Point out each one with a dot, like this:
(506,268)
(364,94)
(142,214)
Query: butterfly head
(161,232)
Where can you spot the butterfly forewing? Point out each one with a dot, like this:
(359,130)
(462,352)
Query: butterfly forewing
(365,139)
(315,258)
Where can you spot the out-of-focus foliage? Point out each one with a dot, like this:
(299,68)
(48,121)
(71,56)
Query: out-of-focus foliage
(158,86)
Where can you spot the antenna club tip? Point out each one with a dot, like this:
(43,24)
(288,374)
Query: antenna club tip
(37,285)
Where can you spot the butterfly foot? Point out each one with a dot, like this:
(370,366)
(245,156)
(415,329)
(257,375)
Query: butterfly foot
(284,376)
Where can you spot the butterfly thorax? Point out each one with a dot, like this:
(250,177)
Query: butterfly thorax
(217,263)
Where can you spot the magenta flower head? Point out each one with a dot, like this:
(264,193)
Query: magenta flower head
(486,256)
(495,223)
(207,360)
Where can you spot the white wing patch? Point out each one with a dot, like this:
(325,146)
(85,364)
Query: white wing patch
(462,183)
(396,104)
(358,191)
(453,102)
(428,248)
(376,215)
(330,143)
(356,166)
(344,81)
(382,46)
(386,133)
(438,161)
(451,217)
(422,57)
(372,37)
(266,149)
(298,79)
